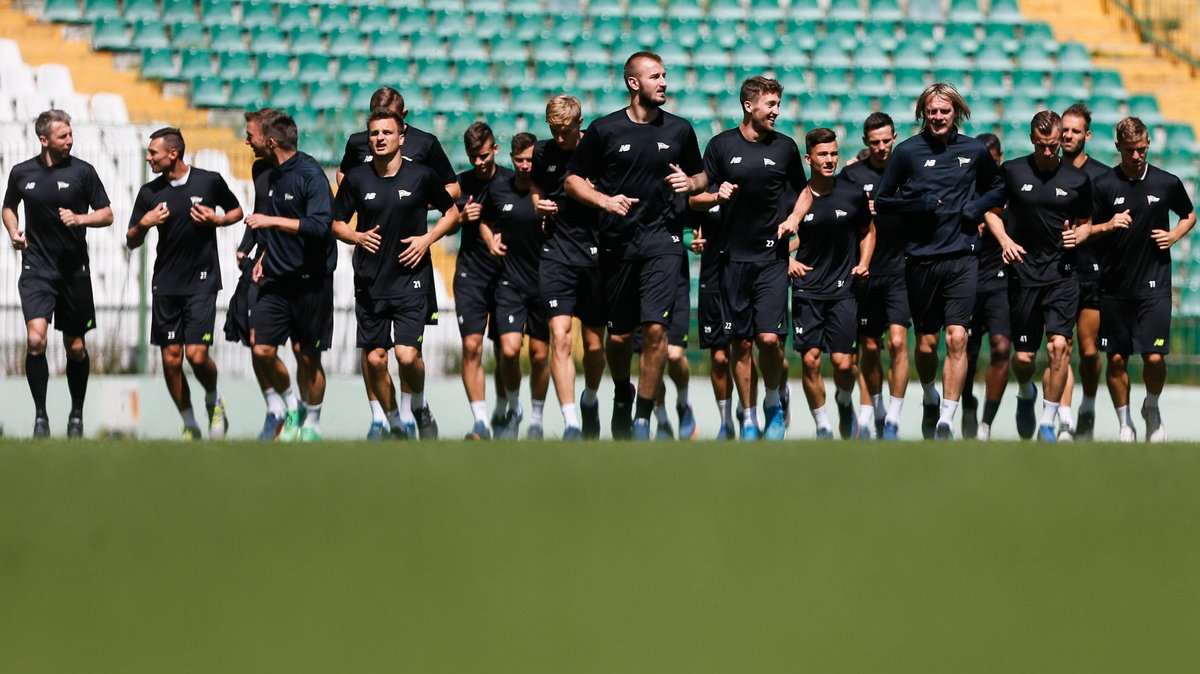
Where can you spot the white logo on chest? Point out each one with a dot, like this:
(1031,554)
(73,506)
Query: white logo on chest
(808,218)
(507,208)
(368,158)
(552,168)
(30,186)
(663,146)
(403,193)
(963,161)
(287,197)
(930,162)
(1118,201)
(735,160)
(196,200)
(768,162)
(623,148)
(839,213)
(369,196)
(62,185)
(1026,188)
(1058,192)
(1151,199)
(868,187)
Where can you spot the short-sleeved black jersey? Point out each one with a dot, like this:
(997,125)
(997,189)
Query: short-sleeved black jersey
(509,211)
(298,189)
(54,250)
(473,253)
(711,258)
(571,232)
(993,272)
(829,237)
(399,206)
(186,261)
(769,174)
(1087,254)
(621,156)
(1039,202)
(1135,267)
(888,258)
(420,147)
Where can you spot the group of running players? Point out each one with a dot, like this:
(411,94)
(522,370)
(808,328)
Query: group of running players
(936,232)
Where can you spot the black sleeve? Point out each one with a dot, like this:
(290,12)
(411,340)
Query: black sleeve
(689,159)
(344,204)
(989,185)
(795,174)
(12,196)
(97,197)
(893,196)
(225,197)
(585,160)
(349,161)
(439,198)
(1083,205)
(1101,209)
(141,205)
(248,242)
(490,212)
(317,220)
(712,163)
(1180,202)
(440,164)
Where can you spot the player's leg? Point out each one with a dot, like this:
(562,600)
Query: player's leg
(1090,360)
(925,357)
(562,365)
(79,365)
(310,377)
(898,374)
(814,391)
(741,353)
(412,374)
(509,367)
(199,322)
(768,284)
(1152,339)
(925,297)
(1054,382)
(870,381)
(722,387)
(37,373)
(593,372)
(380,391)
(844,376)
(1116,336)
(178,389)
(995,381)
(75,315)
(970,404)
(841,333)
(312,334)
(539,383)
(473,377)
(960,278)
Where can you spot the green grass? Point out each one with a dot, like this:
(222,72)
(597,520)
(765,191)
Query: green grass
(548,557)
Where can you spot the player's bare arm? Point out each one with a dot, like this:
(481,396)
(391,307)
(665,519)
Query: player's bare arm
(368,240)
(1166,239)
(866,248)
(581,190)
(791,224)
(1077,234)
(1119,221)
(13,225)
(493,239)
(419,245)
(99,218)
(1010,250)
(260,221)
(207,216)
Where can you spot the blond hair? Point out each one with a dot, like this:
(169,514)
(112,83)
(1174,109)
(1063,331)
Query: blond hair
(962,111)
(562,110)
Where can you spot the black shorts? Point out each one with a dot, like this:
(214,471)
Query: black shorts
(521,310)
(1131,325)
(640,291)
(1089,294)
(882,302)
(68,301)
(237,316)
(390,321)
(571,290)
(1048,309)
(827,325)
(756,295)
(183,319)
(992,315)
(681,315)
(475,302)
(299,310)
(941,292)
(431,306)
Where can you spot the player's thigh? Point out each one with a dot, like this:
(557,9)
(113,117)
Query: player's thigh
(621,285)
(75,306)
(511,310)
(840,326)
(1027,318)
(1060,308)
(681,313)
(407,317)
(737,288)
(537,323)
(199,318)
(312,316)
(925,296)
(270,319)
(960,280)
(808,323)
(167,319)
(659,280)
(1152,326)
(372,322)
(1117,316)
(711,315)
(474,300)
(769,298)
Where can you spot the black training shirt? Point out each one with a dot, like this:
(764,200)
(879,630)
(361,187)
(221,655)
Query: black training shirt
(888,258)
(298,189)
(1088,253)
(509,211)
(54,250)
(1039,202)
(399,206)
(420,147)
(621,156)
(186,261)
(829,237)
(571,232)
(769,175)
(473,253)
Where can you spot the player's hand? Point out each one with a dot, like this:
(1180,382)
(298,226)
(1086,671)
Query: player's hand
(258,221)
(618,204)
(1122,220)
(860,271)
(1070,237)
(69,218)
(155,216)
(725,192)
(788,228)
(417,247)
(1163,238)
(471,211)
(496,246)
(19,241)
(797,269)
(203,215)
(1011,252)
(680,182)
(239,256)
(871,206)
(698,243)
(545,207)
(257,274)
(369,240)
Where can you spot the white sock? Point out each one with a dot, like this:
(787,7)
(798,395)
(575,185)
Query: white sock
(535,412)
(877,404)
(479,411)
(866,415)
(1064,417)
(377,415)
(681,396)
(189,419)
(821,416)
(895,405)
(1049,412)
(394,419)
(589,396)
(1123,416)
(312,416)
(931,393)
(771,399)
(210,397)
(274,402)
(513,399)
(949,408)
(1026,390)
(1152,400)
(418,401)
(660,413)
(406,414)
(290,401)
(842,396)
(570,419)
(1088,404)
(723,409)
(752,415)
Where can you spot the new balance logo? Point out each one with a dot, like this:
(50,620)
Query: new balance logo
(403,193)
(768,162)
(735,160)
(808,218)
(1026,188)
(868,187)
(62,185)
(623,148)
(963,161)
(368,158)
(1060,192)
(552,168)
(369,197)
(663,146)
(930,162)
(30,186)
(1118,201)
(507,208)
(1151,199)
(708,329)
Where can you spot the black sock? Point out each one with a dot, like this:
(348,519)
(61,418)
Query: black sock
(77,381)
(990,407)
(645,407)
(37,373)
(622,390)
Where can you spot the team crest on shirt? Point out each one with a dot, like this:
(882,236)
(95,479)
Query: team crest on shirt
(507,208)
(403,193)
(768,162)
(1026,187)
(30,186)
(1059,192)
(62,185)
(930,162)
(1118,201)
(839,213)
(735,160)
(663,146)
(196,200)
(1151,199)
(369,197)
(963,161)
(287,197)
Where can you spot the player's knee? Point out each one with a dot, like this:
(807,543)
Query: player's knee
(768,340)
(1025,358)
(812,361)
(264,351)
(956,339)
(197,355)
(35,343)
(376,358)
(720,358)
(1153,359)
(407,356)
(1116,362)
(75,346)
(843,363)
(510,348)
(870,346)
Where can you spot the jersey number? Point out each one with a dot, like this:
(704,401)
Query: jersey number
(416,284)
(203,275)
(770,243)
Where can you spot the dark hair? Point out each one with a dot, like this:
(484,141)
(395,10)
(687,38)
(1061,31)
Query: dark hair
(819,136)
(1081,110)
(1130,130)
(172,138)
(478,135)
(387,97)
(41,126)
(756,86)
(990,141)
(877,120)
(1045,122)
(381,112)
(627,71)
(278,126)
(523,140)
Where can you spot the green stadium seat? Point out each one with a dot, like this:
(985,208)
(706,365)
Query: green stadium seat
(989,83)
(814,106)
(190,34)
(832,81)
(174,11)
(805,11)
(111,35)
(552,75)
(983,114)
(549,48)
(265,39)
(393,71)
(150,34)
(428,46)
(925,10)
(711,52)
(1181,136)
(846,10)
(954,75)
(194,63)
(959,32)
(831,54)
(445,4)
(285,94)
(753,57)
(471,72)
(676,56)
(1071,84)
(967,11)
(854,109)
(604,8)
(527,27)
(685,9)
(346,42)
(449,23)
(450,97)
(358,97)
(645,9)
(910,82)
(333,17)
(507,48)
(294,16)
(258,13)
(487,99)
(567,26)
(646,33)
(246,93)
(1059,102)
(226,38)
(433,72)
(692,105)
(306,41)
(63,11)
(1000,33)
(590,52)
(1005,11)
(767,10)
(1074,56)
(1108,82)
(726,9)
(605,29)
(843,33)
(609,99)
(235,64)
(1106,111)
(593,75)
(387,43)
(326,95)
(306,118)
(871,83)
(510,73)
(375,16)
(992,57)
(920,31)
(273,66)
(217,13)
(159,64)
(527,100)
(490,24)
(793,78)
(1030,82)
(1039,32)
(1034,56)
(95,10)
(763,32)
(1145,106)
(319,146)
(312,67)
(1019,108)
(209,92)
(880,36)
(912,54)
(355,68)
(789,53)
(141,10)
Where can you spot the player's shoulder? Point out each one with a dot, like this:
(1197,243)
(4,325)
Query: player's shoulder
(205,175)
(79,166)
(1160,175)
(358,138)
(1107,179)
(848,187)
(606,123)
(360,172)
(858,173)
(504,173)
(28,166)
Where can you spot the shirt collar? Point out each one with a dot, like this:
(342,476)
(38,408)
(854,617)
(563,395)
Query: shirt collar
(182,181)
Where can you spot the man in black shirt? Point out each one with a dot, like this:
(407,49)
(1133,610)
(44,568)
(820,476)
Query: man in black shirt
(181,204)
(940,183)
(1077,123)
(882,298)
(760,177)
(833,250)
(710,310)
(512,227)
(63,196)
(1049,213)
(476,273)
(420,147)
(569,273)
(296,297)
(991,316)
(636,166)
(392,268)
(1134,201)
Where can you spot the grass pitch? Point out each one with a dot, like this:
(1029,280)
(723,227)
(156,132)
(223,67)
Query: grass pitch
(551,557)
